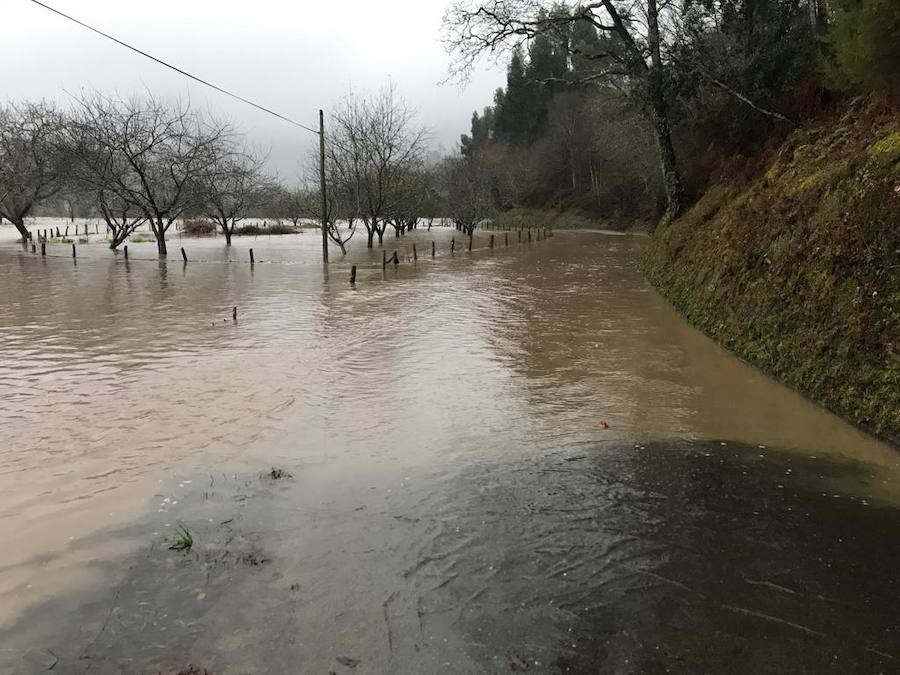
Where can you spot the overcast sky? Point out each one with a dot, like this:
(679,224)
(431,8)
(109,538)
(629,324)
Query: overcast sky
(294,56)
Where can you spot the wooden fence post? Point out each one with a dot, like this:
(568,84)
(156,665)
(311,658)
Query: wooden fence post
(383,259)
(251,257)
(492,241)
(126,252)
(506,238)
(183,254)
(43,248)
(415,253)
(432,249)
(353,274)
(470,242)
(452,244)
(73,250)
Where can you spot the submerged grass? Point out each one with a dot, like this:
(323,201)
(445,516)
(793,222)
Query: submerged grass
(798,271)
(182,541)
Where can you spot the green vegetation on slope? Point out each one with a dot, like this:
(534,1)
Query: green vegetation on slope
(799,270)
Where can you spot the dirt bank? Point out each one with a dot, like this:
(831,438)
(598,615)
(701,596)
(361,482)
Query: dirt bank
(798,269)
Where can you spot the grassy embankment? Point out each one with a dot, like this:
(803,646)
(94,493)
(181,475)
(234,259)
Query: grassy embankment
(798,270)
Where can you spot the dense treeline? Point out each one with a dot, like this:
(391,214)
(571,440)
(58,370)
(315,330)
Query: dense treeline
(630,109)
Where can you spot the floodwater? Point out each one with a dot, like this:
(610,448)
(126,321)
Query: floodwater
(453,504)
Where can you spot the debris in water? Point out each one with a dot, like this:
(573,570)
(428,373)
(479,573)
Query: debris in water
(603,425)
(278,474)
(347,661)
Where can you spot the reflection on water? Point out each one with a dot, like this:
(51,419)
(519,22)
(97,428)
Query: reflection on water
(441,420)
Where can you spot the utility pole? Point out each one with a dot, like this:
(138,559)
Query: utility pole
(322,181)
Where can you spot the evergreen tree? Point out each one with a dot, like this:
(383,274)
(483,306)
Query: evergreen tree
(863,44)
(513,118)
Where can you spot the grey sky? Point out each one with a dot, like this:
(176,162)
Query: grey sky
(291,56)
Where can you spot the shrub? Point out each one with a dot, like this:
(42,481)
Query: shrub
(198,227)
(251,230)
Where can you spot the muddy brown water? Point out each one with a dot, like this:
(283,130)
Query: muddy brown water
(453,505)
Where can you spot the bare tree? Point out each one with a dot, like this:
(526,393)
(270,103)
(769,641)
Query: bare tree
(32,162)
(408,201)
(153,154)
(466,192)
(635,57)
(341,205)
(122,218)
(229,186)
(374,142)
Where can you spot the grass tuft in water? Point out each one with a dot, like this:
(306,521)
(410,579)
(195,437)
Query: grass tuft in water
(183,540)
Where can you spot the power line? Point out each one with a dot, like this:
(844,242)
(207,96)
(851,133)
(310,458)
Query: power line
(176,69)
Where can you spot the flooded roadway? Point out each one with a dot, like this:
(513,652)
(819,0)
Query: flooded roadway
(453,505)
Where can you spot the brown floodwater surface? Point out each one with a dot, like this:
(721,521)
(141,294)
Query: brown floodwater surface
(454,504)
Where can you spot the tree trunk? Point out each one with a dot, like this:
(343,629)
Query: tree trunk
(370,237)
(659,111)
(667,162)
(19,222)
(160,234)
(228,232)
(380,236)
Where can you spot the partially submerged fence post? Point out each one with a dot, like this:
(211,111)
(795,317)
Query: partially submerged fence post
(234,313)
(33,248)
(520,236)
(395,259)
(432,249)
(126,252)
(529,236)
(452,244)
(73,250)
(383,259)
(353,274)
(471,237)
(506,238)
(415,253)
(251,257)
(67,231)
(43,248)
(492,241)
(183,254)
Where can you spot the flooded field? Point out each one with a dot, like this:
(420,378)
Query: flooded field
(517,459)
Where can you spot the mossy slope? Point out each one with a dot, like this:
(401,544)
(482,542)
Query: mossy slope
(799,270)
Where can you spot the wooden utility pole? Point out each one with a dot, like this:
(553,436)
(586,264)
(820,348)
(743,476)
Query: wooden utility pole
(322,182)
